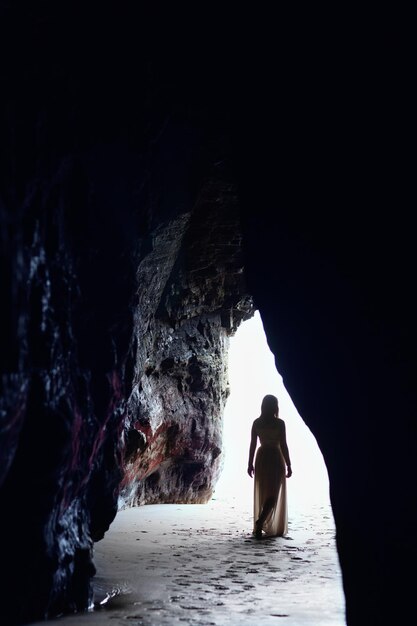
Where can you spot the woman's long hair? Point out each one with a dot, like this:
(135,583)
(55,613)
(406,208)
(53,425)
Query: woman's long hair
(269,406)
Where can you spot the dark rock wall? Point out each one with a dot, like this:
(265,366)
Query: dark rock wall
(121,258)
(138,155)
(330,258)
(192,296)
(62,396)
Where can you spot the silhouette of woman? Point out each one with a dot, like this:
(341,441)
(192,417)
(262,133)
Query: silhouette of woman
(270,493)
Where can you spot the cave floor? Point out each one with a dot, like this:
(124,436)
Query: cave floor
(199,565)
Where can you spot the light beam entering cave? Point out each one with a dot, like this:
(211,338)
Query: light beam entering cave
(252,374)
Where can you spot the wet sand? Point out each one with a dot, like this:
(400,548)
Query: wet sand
(200,565)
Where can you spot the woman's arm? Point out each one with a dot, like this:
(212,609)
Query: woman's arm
(252,449)
(285,452)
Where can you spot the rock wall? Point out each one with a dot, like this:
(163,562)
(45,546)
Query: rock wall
(330,270)
(192,296)
(122,262)
(62,400)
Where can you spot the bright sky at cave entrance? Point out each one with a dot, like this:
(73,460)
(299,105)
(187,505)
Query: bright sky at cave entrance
(252,375)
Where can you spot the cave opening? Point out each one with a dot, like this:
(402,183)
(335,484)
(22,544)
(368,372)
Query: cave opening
(184,560)
(253,374)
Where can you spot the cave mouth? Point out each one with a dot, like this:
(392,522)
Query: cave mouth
(211,543)
(253,374)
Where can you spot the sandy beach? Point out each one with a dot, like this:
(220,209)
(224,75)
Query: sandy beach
(200,565)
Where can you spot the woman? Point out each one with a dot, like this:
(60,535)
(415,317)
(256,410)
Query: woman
(270,494)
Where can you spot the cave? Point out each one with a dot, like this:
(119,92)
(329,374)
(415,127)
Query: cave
(163,176)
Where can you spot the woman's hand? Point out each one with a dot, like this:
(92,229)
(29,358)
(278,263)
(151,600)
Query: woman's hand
(250,470)
(289,471)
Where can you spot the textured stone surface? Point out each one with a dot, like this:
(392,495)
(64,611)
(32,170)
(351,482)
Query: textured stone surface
(192,295)
(62,406)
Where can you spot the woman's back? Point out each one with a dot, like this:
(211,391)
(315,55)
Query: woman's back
(270,499)
(269,431)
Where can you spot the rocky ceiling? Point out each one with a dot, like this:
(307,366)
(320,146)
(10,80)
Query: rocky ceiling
(159,182)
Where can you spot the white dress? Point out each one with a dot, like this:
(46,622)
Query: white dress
(270,481)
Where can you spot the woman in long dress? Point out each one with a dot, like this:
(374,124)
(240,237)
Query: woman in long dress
(272,467)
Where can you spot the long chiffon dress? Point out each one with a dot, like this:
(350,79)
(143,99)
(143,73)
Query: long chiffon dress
(270,481)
